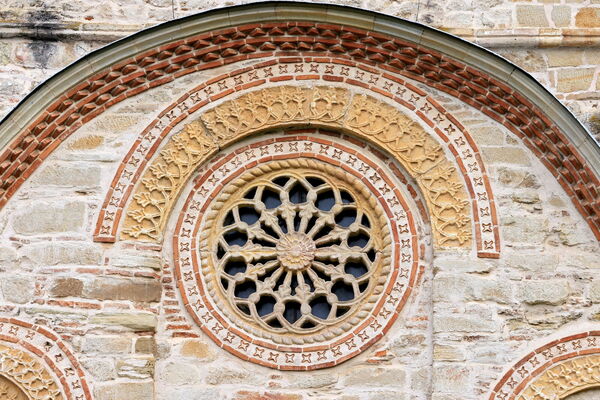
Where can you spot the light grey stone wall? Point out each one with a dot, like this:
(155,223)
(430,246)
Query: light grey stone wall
(468,318)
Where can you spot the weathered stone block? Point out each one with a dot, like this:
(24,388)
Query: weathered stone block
(517,177)
(467,323)
(106,344)
(122,390)
(221,376)
(490,289)
(595,291)
(7,254)
(197,349)
(181,373)
(101,369)
(565,57)
(69,174)
(506,155)
(135,260)
(531,15)
(369,377)
(561,16)
(447,353)
(17,288)
(136,368)
(551,292)
(54,253)
(187,392)
(42,217)
(450,378)
(144,290)
(145,344)
(588,17)
(574,79)
(134,321)
(66,287)
(248,395)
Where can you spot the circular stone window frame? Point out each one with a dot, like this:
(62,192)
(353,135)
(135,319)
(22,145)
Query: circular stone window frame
(268,171)
(295,356)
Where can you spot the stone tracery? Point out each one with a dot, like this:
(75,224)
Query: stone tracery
(339,303)
(297,249)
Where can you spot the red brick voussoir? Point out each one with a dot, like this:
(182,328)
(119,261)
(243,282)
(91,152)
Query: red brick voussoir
(157,66)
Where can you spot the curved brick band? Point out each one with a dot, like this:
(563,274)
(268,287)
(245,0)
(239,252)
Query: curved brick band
(553,371)
(452,136)
(28,344)
(167,62)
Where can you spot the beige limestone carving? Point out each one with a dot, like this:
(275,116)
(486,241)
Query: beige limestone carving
(10,391)
(424,159)
(297,249)
(275,107)
(406,140)
(564,379)
(163,179)
(27,375)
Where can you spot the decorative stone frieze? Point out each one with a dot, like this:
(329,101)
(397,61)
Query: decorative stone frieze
(336,107)
(164,64)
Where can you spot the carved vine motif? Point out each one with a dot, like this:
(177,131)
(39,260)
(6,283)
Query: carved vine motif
(406,140)
(565,379)
(423,157)
(296,250)
(162,180)
(10,391)
(32,377)
(278,105)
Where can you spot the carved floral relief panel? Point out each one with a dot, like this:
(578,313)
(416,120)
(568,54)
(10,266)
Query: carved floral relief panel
(364,116)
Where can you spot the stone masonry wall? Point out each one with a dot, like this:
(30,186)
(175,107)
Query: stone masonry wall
(467,320)
(557,41)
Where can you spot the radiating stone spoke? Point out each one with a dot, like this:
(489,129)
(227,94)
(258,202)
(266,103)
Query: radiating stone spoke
(306,247)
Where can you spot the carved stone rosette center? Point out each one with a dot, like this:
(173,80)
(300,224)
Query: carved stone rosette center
(296,251)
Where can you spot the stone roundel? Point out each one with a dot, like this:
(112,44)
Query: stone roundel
(295,253)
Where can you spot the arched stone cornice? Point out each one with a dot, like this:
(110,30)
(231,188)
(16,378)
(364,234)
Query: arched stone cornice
(39,363)
(554,371)
(163,53)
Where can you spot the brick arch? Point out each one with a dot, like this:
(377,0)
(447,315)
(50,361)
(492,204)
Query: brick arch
(554,371)
(40,363)
(349,113)
(450,134)
(482,80)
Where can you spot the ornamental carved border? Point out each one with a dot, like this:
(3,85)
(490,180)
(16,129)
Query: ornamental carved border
(212,49)
(332,107)
(554,371)
(452,135)
(334,344)
(39,363)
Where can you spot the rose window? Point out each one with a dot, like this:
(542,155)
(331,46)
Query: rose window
(296,252)
(291,260)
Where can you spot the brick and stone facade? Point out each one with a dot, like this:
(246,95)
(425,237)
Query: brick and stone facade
(141,258)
